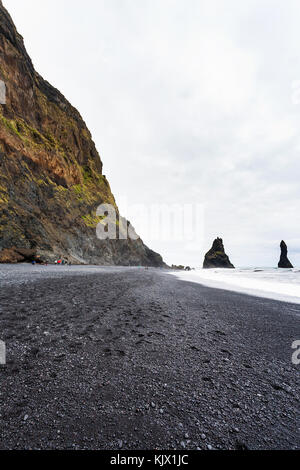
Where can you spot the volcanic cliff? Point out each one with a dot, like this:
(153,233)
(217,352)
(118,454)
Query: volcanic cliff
(51,179)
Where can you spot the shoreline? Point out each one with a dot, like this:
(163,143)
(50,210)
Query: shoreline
(128,358)
(273,289)
(54,271)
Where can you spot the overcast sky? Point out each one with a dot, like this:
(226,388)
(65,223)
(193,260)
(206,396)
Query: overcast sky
(189,102)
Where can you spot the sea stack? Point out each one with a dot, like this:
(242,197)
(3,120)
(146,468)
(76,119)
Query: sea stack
(216,257)
(284,262)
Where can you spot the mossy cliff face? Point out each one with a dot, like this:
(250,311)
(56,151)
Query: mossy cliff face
(51,180)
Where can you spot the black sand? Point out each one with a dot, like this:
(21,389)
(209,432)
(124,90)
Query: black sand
(136,359)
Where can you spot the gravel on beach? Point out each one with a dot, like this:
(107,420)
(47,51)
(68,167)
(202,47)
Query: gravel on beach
(129,358)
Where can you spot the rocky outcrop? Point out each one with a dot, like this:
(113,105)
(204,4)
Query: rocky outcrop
(180,267)
(284,262)
(216,257)
(20,255)
(51,179)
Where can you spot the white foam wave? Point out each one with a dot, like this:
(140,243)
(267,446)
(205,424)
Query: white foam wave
(279,284)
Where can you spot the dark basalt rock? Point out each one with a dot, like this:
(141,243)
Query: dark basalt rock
(216,257)
(181,267)
(20,255)
(284,262)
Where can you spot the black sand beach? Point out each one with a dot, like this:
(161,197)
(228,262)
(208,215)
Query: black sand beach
(121,358)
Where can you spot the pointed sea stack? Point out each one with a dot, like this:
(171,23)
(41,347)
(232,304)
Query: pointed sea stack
(284,262)
(216,257)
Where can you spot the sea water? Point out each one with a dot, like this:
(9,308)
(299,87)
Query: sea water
(272,283)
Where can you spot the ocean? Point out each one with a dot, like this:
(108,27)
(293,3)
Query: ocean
(272,283)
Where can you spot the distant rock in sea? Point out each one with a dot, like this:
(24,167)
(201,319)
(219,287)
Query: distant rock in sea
(216,257)
(284,262)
